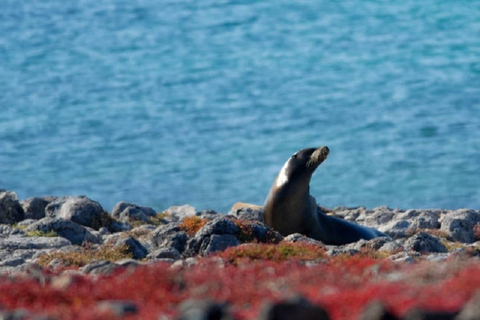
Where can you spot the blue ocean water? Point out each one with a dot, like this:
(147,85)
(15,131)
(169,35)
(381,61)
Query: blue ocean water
(171,102)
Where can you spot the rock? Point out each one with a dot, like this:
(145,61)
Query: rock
(418,314)
(64,281)
(80,210)
(438,257)
(177,213)
(165,253)
(373,244)
(391,247)
(471,310)
(384,244)
(10,209)
(403,257)
(261,233)
(133,214)
(400,224)
(66,229)
(377,217)
(143,234)
(184,263)
(297,237)
(137,250)
(122,206)
(424,219)
(119,308)
(125,212)
(6,230)
(220,243)
(218,226)
(424,242)
(129,263)
(208,214)
(11,261)
(202,310)
(18,314)
(377,311)
(295,309)
(333,252)
(16,242)
(396,228)
(246,211)
(459,224)
(169,236)
(25,223)
(100,267)
(119,226)
(35,207)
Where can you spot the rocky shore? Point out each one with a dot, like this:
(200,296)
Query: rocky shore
(37,234)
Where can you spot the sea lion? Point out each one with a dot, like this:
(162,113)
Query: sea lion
(289,207)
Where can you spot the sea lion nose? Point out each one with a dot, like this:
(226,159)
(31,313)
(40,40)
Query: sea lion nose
(326,151)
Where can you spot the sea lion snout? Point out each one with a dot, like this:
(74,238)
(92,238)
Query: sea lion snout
(318,156)
(324,151)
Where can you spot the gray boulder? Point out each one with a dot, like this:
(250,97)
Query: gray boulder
(100,267)
(66,229)
(459,224)
(6,230)
(419,314)
(203,310)
(218,226)
(424,242)
(132,214)
(297,308)
(10,209)
(384,244)
(125,211)
(220,243)
(334,252)
(471,310)
(247,213)
(403,223)
(119,308)
(397,228)
(165,253)
(297,237)
(19,314)
(169,236)
(137,250)
(207,214)
(35,207)
(376,310)
(424,219)
(374,218)
(16,242)
(177,213)
(81,210)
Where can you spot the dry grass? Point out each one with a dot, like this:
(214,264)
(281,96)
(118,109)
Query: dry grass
(85,255)
(192,224)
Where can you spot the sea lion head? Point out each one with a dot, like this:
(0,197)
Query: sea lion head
(302,164)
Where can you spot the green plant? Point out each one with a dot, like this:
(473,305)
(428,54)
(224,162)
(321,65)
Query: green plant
(38,233)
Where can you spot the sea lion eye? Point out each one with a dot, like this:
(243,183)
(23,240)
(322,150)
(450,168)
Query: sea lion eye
(294,156)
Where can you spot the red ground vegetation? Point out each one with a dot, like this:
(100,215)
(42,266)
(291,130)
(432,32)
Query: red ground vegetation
(344,286)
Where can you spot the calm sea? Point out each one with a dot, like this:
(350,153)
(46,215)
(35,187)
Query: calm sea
(165,103)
